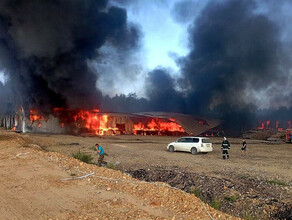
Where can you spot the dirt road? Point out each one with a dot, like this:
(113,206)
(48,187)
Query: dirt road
(33,187)
(271,160)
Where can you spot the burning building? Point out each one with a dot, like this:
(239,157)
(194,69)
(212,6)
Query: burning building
(67,121)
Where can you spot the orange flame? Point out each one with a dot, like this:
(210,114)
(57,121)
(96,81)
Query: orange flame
(156,125)
(93,121)
(98,123)
(33,116)
(261,127)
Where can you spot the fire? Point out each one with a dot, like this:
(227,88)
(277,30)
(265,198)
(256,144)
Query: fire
(262,126)
(93,121)
(277,124)
(158,126)
(33,116)
(274,125)
(201,122)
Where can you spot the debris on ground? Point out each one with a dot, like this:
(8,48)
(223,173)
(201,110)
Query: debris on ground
(244,197)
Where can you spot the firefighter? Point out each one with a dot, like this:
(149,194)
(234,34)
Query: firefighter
(225,148)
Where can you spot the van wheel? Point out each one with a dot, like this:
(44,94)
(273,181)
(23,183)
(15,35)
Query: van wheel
(171,148)
(194,151)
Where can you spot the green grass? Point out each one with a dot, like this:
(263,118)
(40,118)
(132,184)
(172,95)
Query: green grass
(277,182)
(197,192)
(216,204)
(230,198)
(112,166)
(83,157)
(248,216)
(92,148)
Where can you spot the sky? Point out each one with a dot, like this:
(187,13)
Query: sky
(3,78)
(162,34)
(164,38)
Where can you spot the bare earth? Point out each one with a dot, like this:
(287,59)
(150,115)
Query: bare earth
(32,167)
(31,187)
(268,159)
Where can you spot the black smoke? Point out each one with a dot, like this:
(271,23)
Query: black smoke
(234,50)
(46,48)
(7,99)
(235,53)
(162,93)
(238,63)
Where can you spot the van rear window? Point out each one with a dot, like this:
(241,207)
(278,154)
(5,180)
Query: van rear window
(195,140)
(206,141)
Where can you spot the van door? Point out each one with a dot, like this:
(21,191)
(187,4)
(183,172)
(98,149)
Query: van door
(186,145)
(179,145)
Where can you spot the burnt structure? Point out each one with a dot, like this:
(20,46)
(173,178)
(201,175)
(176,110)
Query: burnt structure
(108,123)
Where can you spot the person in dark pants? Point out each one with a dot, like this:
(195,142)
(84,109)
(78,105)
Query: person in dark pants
(243,149)
(101,154)
(225,148)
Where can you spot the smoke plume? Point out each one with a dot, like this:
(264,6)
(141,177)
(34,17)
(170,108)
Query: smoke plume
(238,63)
(235,52)
(46,46)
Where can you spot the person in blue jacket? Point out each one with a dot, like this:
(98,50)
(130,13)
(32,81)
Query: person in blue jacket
(101,153)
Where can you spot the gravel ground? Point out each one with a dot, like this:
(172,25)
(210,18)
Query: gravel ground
(256,185)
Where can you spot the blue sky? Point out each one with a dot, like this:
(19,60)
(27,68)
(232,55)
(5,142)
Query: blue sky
(3,78)
(163,39)
(161,33)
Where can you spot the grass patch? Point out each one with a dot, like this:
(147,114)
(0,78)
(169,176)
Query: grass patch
(83,157)
(44,148)
(230,198)
(112,166)
(196,192)
(277,182)
(248,216)
(92,148)
(216,204)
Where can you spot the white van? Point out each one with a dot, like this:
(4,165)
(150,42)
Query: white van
(194,145)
